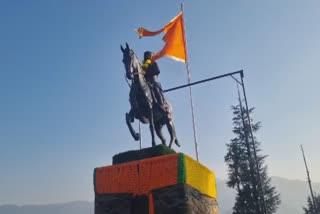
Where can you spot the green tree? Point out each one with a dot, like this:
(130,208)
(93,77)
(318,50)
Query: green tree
(242,168)
(309,209)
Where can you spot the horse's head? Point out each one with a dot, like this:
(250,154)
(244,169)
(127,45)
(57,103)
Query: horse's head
(130,61)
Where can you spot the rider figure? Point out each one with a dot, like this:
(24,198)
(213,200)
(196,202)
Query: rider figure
(151,71)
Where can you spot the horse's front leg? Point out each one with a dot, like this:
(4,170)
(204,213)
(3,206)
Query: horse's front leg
(158,128)
(151,120)
(129,120)
(172,133)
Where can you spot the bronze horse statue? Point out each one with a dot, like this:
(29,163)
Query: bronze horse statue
(143,105)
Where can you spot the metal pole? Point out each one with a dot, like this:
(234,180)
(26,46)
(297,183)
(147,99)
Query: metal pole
(309,181)
(140,140)
(192,112)
(264,207)
(251,164)
(190,94)
(202,81)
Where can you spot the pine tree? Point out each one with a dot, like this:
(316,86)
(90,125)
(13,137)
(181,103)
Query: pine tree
(309,209)
(242,168)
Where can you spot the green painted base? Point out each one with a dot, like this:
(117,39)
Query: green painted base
(134,155)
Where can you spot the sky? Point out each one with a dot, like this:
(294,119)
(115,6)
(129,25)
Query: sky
(64,97)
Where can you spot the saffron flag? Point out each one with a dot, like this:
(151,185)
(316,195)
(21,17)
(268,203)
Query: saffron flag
(174,38)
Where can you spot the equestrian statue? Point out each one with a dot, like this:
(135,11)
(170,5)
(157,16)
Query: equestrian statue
(147,101)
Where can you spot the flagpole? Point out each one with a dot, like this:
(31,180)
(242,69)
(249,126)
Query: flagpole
(190,94)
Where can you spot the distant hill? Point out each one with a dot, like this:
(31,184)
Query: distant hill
(77,207)
(293,196)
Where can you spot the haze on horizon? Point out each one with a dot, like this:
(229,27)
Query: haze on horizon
(64,96)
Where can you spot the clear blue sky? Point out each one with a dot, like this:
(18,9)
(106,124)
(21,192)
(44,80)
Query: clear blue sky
(64,97)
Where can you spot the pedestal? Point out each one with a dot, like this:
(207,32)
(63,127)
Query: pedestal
(165,184)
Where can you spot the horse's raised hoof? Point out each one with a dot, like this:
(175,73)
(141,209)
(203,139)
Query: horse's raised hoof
(176,142)
(137,137)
